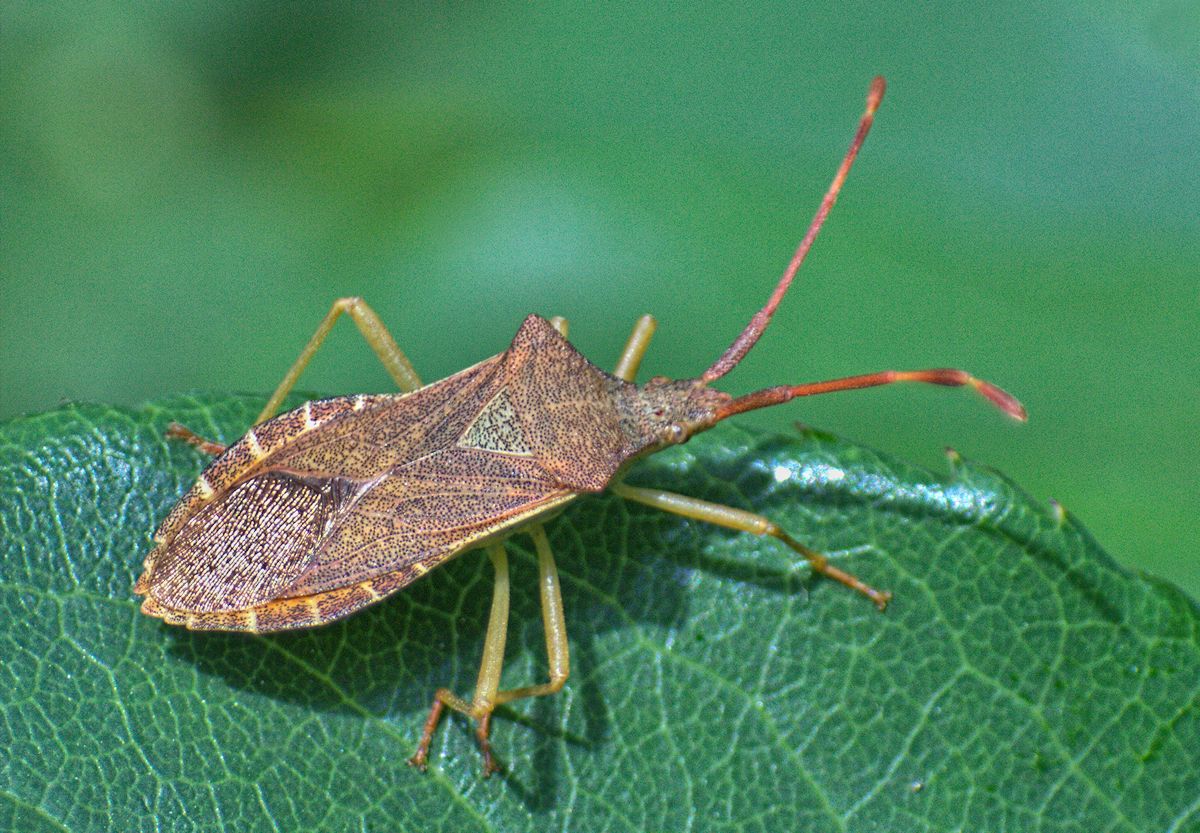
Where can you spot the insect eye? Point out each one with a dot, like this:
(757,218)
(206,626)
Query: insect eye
(658,412)
(675,432)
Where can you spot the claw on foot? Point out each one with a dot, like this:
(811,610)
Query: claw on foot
(485,745)
(420,758)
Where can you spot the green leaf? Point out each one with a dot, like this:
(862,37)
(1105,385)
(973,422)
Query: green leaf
(1021,680)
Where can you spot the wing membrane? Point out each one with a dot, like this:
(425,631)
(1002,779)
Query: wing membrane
(423,513)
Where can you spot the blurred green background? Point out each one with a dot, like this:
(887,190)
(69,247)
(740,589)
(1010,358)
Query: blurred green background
(186,187)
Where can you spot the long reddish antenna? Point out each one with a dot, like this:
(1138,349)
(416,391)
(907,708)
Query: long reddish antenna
(754,330)
(949,377)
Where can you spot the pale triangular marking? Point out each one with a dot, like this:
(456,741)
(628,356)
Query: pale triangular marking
(497,429)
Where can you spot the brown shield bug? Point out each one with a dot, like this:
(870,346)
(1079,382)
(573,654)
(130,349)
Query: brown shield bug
(333,506)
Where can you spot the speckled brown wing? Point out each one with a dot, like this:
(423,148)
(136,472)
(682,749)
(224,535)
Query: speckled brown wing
(330,507)
(425,512)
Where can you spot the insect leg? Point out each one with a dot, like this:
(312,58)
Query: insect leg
(484,702)
(560,324)
(175,431)
(553,622)
(635,348)
(731,518)
(372,329)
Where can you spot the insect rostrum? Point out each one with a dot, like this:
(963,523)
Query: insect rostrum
(318,512)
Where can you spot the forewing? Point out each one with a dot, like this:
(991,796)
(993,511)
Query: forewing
(359,561)
(426,511)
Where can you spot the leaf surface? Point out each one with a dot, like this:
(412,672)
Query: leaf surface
(1021,680)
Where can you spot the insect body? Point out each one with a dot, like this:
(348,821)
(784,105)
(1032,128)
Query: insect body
(333,506)
(329,507)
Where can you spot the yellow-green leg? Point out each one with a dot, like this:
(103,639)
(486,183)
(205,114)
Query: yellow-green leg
(553,623)
(373,330)
(635,348)
(480,707)
(731,518)
(487,693)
